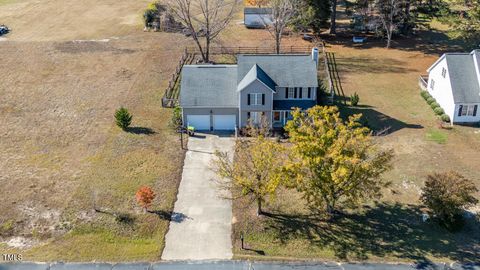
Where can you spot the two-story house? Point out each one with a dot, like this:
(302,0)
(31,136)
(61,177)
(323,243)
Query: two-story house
(224,97)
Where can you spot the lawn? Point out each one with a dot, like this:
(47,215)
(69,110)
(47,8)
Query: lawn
(61,151)
(390,228)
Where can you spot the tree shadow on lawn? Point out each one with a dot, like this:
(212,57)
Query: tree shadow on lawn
(385,230)
(140,130)
(374,119)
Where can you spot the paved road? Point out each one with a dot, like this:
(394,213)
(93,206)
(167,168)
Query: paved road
(235,265)
(201,225)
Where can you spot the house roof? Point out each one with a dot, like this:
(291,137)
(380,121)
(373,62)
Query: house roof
(256,73)
(209,86)
(289,104)
(255,10)
(284,70)
(464,77)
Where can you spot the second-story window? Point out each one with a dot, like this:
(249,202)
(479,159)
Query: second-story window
(256,99)
(291,92)
(444,72)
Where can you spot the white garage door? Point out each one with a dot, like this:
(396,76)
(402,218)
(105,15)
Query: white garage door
(199,122)
(224,122)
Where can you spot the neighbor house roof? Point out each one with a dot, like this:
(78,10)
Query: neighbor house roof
(255,10)
(284,70)
(209,86)
(464,78)
(257,73)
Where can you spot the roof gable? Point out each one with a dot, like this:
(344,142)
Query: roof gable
(256,73)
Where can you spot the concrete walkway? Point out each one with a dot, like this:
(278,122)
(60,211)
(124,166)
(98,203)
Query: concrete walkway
(201,224)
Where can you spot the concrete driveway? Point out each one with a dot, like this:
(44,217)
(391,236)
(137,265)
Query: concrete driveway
(201,224)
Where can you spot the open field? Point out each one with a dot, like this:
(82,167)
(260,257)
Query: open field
(389,229)
(61,151)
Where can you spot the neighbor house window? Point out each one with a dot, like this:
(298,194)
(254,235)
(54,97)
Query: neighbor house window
(467,110)
(432,84)
(444,72)
(276,116)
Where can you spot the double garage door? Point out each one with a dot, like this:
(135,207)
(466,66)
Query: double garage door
(220,122)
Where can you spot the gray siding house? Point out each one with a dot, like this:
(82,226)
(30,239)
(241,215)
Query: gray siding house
(225,97)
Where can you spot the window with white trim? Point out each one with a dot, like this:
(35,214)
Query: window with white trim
(432,84)
(467,110)
(255,117)
(291,92)
(256,99)
(444,72)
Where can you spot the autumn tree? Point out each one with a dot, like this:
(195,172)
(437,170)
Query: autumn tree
(204,19)
(258,3)
(123,118)
(332,160)
(145,197)
(447,195)
(255,170)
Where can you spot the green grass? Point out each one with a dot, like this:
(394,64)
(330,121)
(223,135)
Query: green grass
(436,135)
(5,2)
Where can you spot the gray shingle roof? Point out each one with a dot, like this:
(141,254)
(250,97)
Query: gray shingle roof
(256,73)
(463,77)
(285,70)
(209,85)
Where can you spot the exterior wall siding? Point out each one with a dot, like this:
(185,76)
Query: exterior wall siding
(255,87)
(442,90)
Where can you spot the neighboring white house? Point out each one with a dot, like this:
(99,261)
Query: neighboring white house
(454,81)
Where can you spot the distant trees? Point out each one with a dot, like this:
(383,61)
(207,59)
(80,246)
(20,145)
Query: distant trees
(467,24)
(313,14)
(204,19)
(145,197)
(447,195)
(332,160)
(283,12)
(123,118)
(391,15)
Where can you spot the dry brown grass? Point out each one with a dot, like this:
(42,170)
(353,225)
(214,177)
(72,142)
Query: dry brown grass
(58,138)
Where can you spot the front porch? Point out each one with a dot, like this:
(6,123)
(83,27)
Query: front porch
(280,118)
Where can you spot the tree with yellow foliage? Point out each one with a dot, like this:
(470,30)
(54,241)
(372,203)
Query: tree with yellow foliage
(256,169)
(332,160)
(258,3)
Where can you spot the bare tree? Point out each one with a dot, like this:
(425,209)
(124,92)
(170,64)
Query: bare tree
(390,13)
(204,19)
(283,11)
